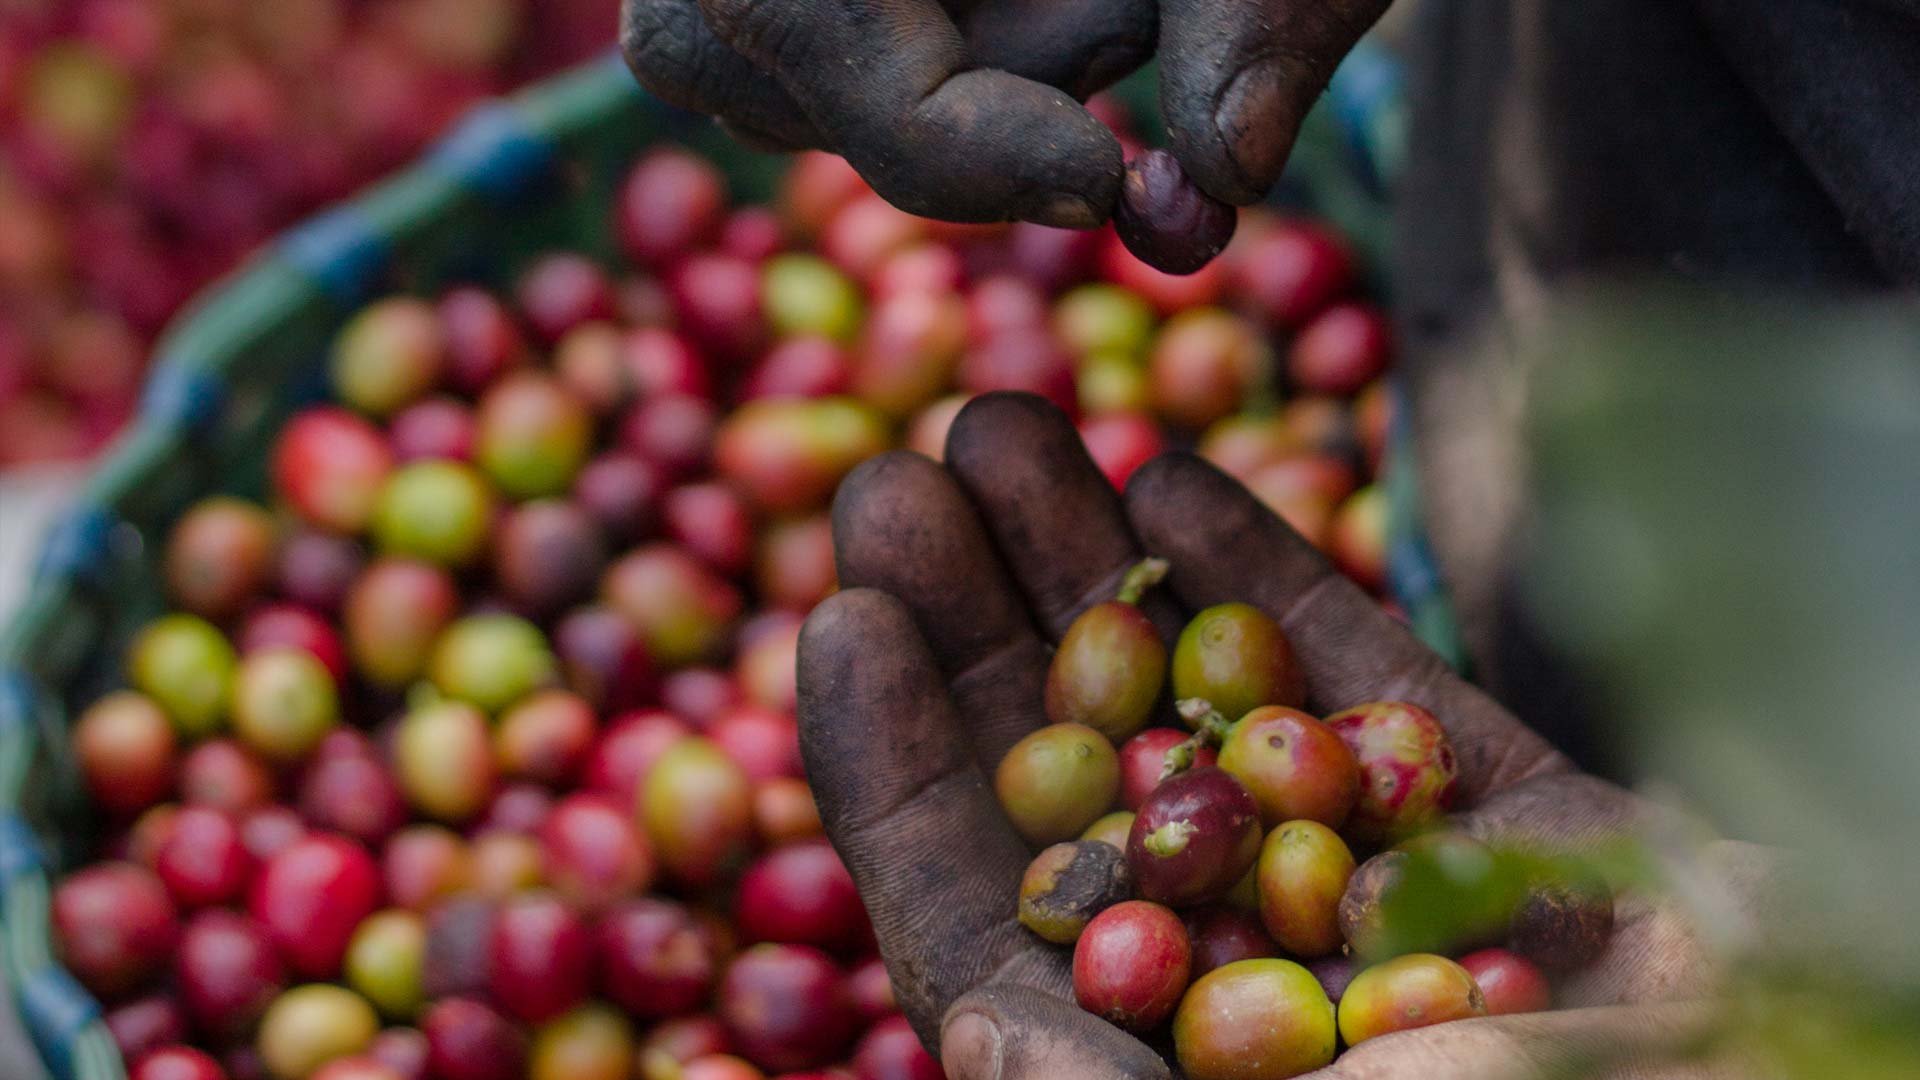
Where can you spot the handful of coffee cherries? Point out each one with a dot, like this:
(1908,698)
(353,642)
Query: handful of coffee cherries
(1224,895)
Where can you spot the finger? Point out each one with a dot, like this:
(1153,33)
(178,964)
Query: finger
(901,524)
(1224,546)
(1014,1033)
(1623,1043)
(891,86)
(904,804)
(1080,46)
(677,57)
(1238,76)
(1057,522)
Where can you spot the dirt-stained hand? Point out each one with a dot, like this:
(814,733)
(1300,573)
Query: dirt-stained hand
(917,677)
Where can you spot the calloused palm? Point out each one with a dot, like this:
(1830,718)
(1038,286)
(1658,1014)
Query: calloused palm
(918,676)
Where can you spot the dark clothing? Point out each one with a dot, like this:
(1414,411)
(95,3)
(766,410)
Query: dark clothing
(1718,140)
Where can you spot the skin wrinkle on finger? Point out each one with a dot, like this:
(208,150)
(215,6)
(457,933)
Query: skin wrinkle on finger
(675,55)
(902,525)
(1636,1041)
(1054,518)
(1042,1037)
(890,84)
(1080,46)
(914,819)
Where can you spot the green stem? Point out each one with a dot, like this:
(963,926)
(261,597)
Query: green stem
(1210,729)
(1145,575)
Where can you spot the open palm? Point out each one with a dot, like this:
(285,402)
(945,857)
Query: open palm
(920,674)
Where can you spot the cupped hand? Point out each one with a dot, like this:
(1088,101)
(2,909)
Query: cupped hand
(969,109)
(920,674)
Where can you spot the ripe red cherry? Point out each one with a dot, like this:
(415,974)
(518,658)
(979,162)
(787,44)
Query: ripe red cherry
(330,465)
(143,1026)
(561,291)
(1342,350)
(1028,360)
(1121,442)
(713,522)
(801,894)
(227,972)
(698,694)
(872,991)
(402,1049)
(1144,756)
(891,1051)
(752,233)
(717,298)
(670,203)
(674,432)
(799,367)
(435,429)
(786,1007)
(114,926)
(466,1040)
(763,742)
(297,627)
(1223,935)
(353,795)
(1193,838)
(316,568)
(594,854)
(125,745)
(223,775)
(628,748)
(177,1063)
(621,491)
(202,860)
(541,958)
(311,896)
(1290,271)
(1510,983)
(1131,965)
(658,361)
(482,339)
(655,959)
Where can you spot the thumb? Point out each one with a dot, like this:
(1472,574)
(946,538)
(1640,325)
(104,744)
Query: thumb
(1018,1033)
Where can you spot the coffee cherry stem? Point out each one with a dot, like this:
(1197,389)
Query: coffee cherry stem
(1211,731)
(1145,575)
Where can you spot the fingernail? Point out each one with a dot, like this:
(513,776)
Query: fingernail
(970,1048)
(1065,211)
(1251,123)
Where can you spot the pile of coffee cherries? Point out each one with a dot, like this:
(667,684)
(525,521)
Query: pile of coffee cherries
(1249,828)
(146,146)
(467,750)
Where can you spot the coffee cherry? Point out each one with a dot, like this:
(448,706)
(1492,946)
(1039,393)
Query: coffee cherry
(114,926)
(594,855)
(279,626)
(532,435)
(227,972)
(669,203)
(185,665)
(1111,830)
(177,1063)
(1304,867)
(389,355)
(1563,923)
(1194,838)
(804,294)
(801,894)
(654,959)
(144,1025)
(786,1007)
(491,661)
(310,897)
(219,556)
(284,702)
(435,428)
(541,958)
(126,749)
(1165,219)
(1143,762)
(1235,657)
(1057,781)
(482,339)
(547,554)
(1508,982)
(1296,767)
(1271,1012)
(1109,668)
(202,860)
(309,1026)
(1068,884)
(1407,768)
(1205,365)
(1224,935)
(393,615)
(590,1043)
(467,1040)
(1340,350)
(545,737)
(696,807)
(603,659)
(223,775)
(384,959)
(1130,965)
(891,1051)
(443,758)
(425,864)
(1407,992)
(436,511)
(681,609)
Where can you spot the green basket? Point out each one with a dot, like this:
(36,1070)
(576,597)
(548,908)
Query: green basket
(518,177)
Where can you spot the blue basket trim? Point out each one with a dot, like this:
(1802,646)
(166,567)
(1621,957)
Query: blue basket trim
(495,151)
(20,851)
(181,396)
(339,250)
(1365,94)
(79,544)
(56,1011)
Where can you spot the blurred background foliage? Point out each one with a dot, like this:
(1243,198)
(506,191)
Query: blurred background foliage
(1727,499)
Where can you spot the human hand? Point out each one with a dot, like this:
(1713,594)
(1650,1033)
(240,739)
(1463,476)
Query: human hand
(917,677)
(969,109)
